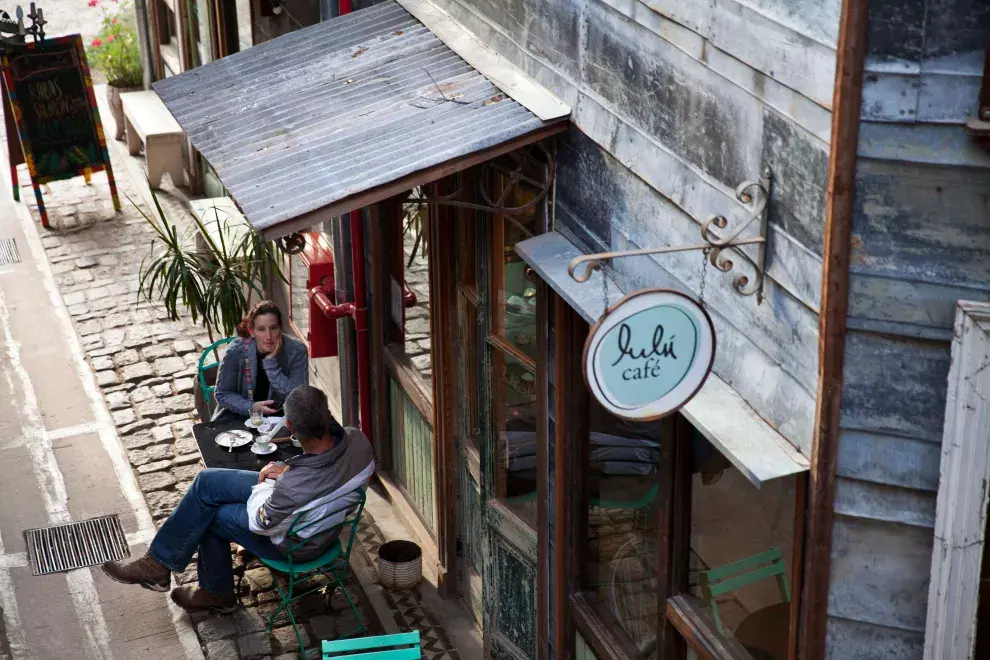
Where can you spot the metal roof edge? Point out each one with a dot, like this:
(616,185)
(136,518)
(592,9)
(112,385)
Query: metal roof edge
(501,72)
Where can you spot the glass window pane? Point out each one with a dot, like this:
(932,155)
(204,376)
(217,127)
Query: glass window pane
(299,292)
(415,350)
(467,241)
(514,411)
(467,357)
(515,283)
(732,521)
(245,38)
(622,477)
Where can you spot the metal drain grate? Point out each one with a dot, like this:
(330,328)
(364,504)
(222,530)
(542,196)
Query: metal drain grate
(8,252)
(76,545)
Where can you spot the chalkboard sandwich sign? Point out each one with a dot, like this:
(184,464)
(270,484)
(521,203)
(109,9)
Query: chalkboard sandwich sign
(650,354)
(51,94)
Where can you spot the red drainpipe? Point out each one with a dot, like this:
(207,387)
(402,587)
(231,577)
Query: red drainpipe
(361,319)
(357,310)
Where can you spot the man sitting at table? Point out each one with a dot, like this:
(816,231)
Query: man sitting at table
(255,510)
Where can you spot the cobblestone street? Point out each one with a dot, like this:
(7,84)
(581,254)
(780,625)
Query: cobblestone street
(145,366)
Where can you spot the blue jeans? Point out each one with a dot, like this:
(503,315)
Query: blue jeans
(211,516)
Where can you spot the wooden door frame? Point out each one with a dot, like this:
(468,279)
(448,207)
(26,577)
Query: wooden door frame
(961,508)
(442,248)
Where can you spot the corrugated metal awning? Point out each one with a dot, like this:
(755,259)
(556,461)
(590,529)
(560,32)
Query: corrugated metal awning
(333,117)
(757,449)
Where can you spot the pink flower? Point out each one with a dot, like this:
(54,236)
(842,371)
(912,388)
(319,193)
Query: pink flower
(97,43)
(111,37)
(93,3)
(115,21)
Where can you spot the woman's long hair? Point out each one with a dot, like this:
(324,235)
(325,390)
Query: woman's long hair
(258,309)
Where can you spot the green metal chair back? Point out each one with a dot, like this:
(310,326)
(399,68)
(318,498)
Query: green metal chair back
(353,503)
(203,368)
(718,581)
(333,563)
(403,646)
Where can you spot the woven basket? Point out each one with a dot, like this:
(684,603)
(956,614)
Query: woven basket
(400,564)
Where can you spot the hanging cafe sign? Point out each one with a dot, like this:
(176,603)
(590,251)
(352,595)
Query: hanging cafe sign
(652,352)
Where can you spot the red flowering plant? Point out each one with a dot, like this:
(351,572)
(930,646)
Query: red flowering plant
(115,49)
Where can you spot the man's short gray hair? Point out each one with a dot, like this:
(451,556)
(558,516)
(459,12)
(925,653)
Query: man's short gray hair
(308,410)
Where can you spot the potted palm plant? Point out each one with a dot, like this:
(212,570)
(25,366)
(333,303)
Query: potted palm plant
(213,282)
(116,53)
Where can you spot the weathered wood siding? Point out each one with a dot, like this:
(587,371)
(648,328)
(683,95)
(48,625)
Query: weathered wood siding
(921,240)
(676,103)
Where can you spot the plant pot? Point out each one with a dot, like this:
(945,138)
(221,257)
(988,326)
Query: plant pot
(117,108)
(400,564)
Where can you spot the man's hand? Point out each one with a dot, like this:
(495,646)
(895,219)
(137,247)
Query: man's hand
(271,471)
(264,407)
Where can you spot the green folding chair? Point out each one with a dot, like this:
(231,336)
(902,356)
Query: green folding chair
(404,646)
(744,572)
(334,563)
(206,375)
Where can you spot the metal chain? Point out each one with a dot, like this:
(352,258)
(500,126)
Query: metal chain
(601,270)
(704,271)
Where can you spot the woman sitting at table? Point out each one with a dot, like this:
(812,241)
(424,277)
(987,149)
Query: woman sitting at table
(259,370)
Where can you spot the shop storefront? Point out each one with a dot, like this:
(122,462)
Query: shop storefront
(564,528)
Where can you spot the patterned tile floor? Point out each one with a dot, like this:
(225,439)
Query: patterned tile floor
(409,610)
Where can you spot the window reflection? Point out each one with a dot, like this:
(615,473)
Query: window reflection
(299,310)
(732,521)
(515,313)
(623,466)
(515,420)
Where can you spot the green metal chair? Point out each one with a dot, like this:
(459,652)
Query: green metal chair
(403,646)
(205,399)
(334,563)
(737,575)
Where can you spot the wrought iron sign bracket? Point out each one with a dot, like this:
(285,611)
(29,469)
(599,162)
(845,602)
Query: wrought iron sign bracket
(754,196)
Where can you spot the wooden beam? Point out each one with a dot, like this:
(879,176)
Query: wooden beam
(544,593)
(695,623)
(442,250)
(604,635)
(847,101)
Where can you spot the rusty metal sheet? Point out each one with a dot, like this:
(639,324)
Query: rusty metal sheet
(313,117)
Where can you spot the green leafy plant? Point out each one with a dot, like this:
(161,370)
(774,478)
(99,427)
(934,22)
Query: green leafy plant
(115,50)
(213,285)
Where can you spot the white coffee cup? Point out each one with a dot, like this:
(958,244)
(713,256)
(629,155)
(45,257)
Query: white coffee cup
(263,443)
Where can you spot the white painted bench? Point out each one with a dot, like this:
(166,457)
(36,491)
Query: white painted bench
(219,214)
(147,121)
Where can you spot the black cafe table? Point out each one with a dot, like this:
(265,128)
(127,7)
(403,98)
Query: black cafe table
(241,458)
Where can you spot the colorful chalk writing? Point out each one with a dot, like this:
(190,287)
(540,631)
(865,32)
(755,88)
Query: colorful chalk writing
(55,109)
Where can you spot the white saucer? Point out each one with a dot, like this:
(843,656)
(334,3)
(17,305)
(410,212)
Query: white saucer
(235,438)
(251,425)
(260,452)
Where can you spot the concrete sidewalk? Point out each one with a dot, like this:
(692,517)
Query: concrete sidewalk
(62,462)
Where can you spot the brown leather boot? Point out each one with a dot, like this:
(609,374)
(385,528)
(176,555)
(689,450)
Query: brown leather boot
(196,599)
(144,571)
